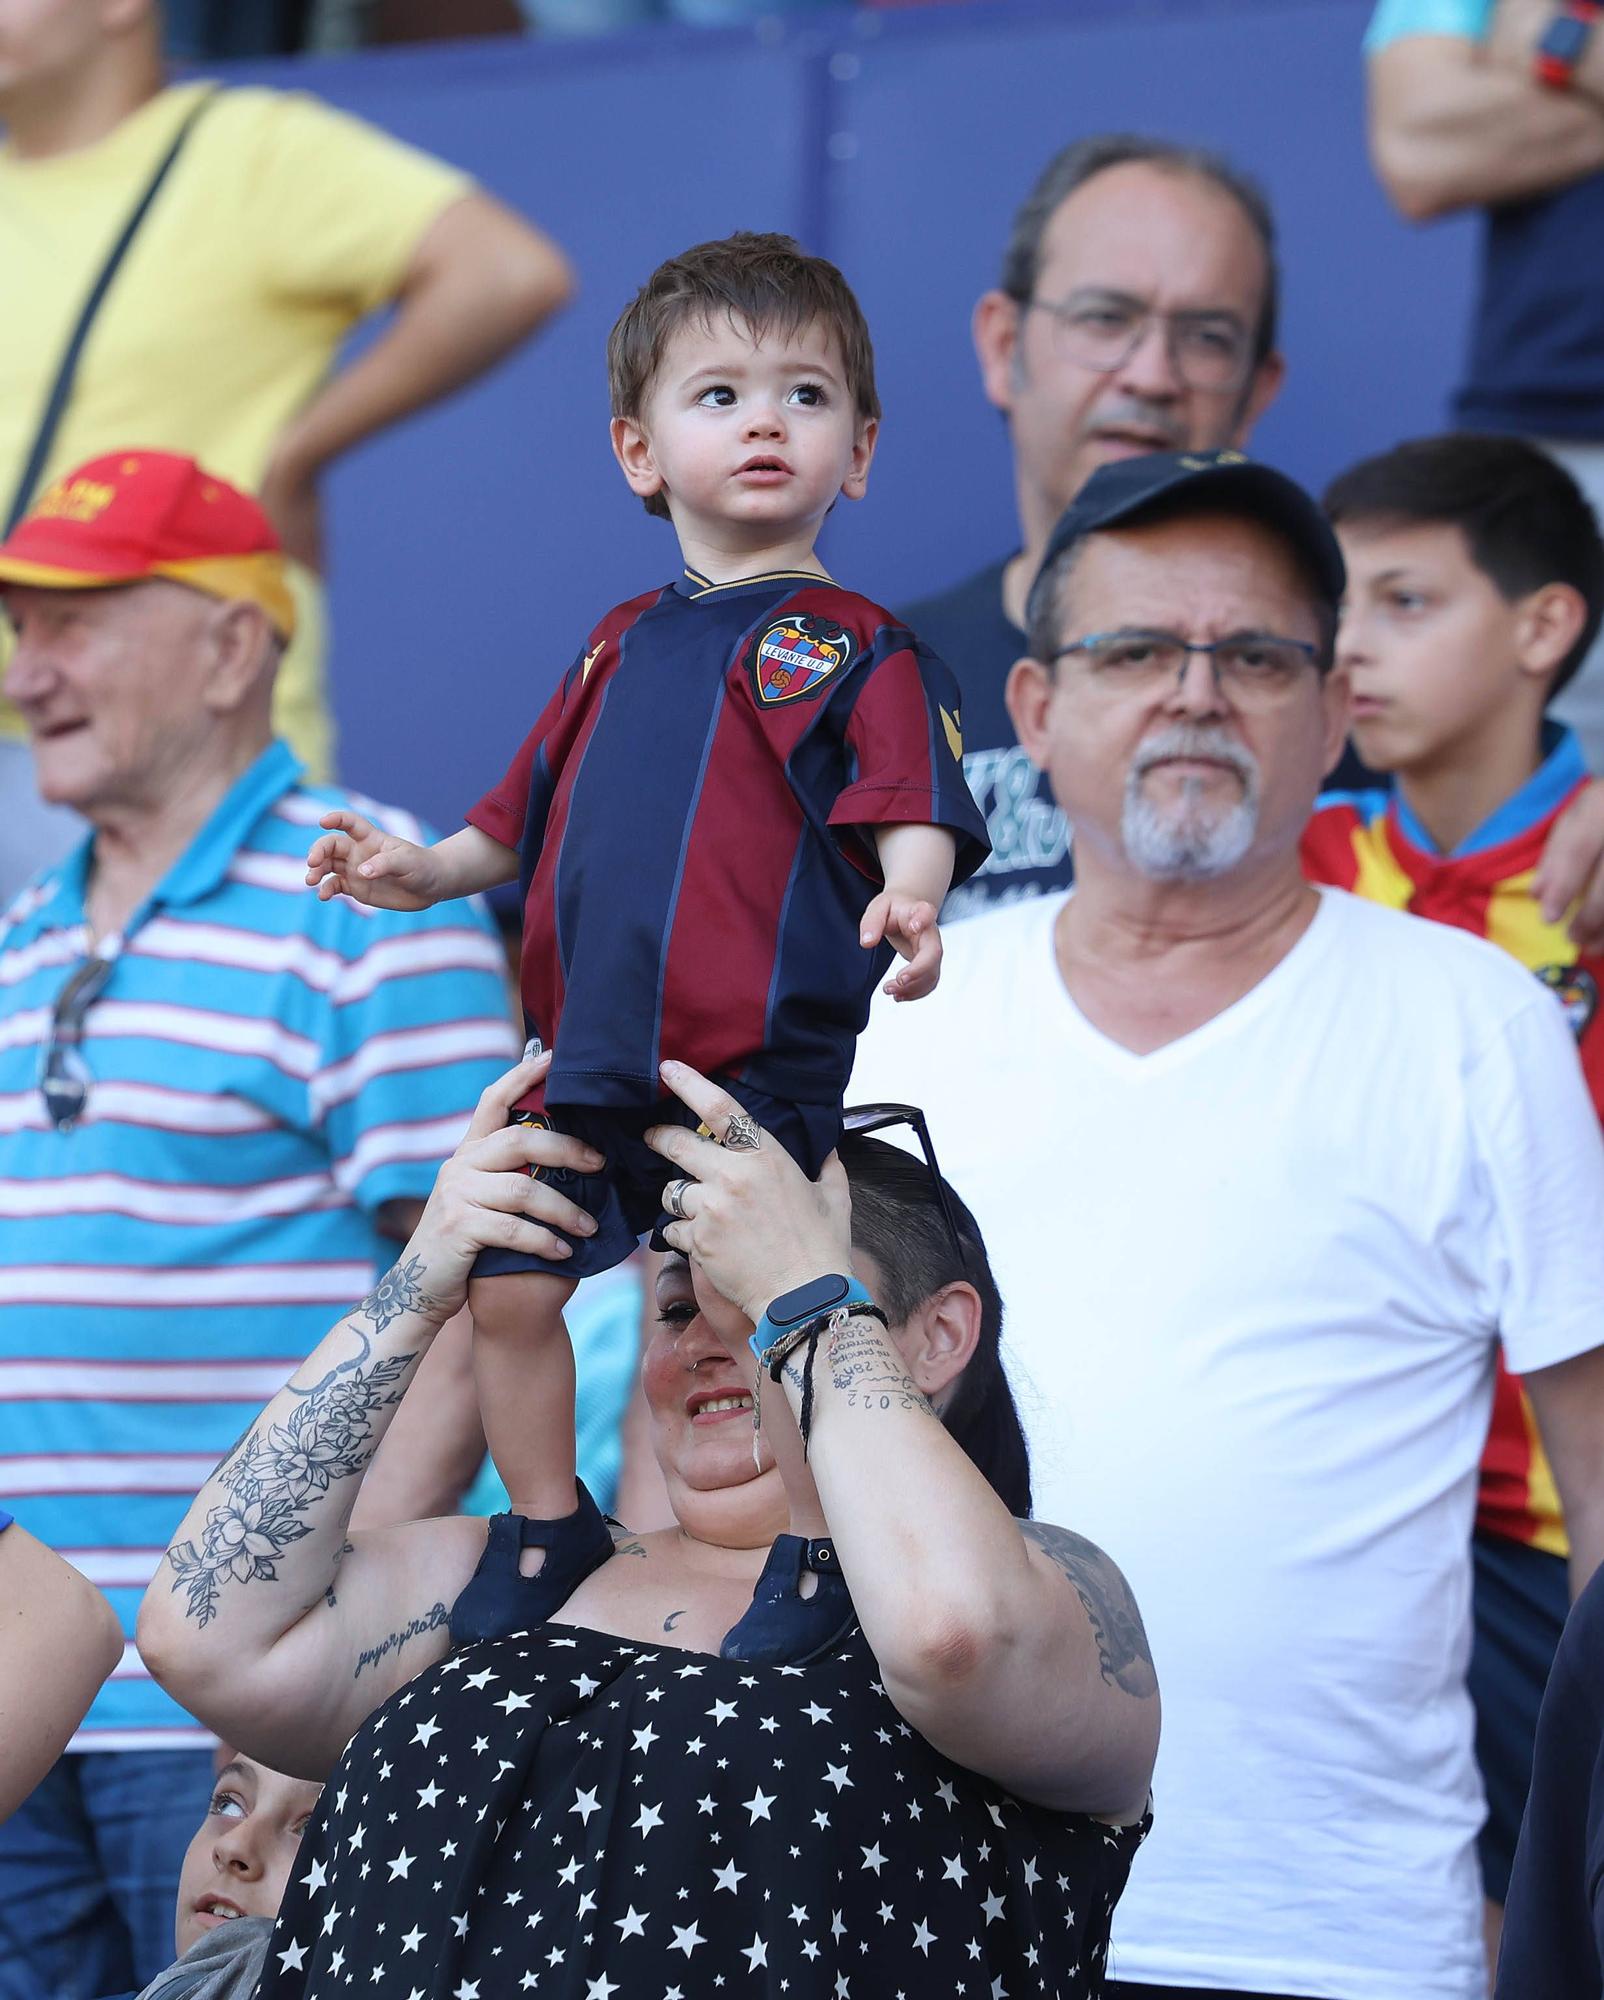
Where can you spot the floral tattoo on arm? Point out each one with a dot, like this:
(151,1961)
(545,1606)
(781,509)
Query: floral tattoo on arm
(277,1472)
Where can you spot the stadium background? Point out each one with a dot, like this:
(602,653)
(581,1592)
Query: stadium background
(472,549)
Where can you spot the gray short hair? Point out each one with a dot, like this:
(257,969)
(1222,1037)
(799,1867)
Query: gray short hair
(1083,160)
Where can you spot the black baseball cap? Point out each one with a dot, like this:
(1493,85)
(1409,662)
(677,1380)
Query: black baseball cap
(1163,484)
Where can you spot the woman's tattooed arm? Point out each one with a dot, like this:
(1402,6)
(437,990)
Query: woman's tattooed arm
(282,1487)
(1122,1649)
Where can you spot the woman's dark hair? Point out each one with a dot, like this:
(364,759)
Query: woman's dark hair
(1525,521)
(897,1220)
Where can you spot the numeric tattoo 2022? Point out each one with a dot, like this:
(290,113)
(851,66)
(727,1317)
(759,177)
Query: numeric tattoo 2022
(1123,1657)
(277,1472)
(869,1371)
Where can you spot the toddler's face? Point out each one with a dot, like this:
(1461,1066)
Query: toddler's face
(1433,648)
(750,437)
(243,1850)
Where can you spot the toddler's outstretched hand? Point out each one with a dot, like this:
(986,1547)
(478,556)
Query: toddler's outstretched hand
(908,923)
(355,859)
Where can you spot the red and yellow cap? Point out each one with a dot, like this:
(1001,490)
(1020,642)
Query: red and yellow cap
(137,514)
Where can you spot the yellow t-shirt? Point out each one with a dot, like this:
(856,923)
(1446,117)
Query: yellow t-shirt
(281,225)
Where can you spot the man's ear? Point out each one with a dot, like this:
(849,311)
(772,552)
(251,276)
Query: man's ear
(1550,623)
(1028,692)
(1264,384)
(633,450)
(995,329)
(1336,696)
(242,642)
(938,1342)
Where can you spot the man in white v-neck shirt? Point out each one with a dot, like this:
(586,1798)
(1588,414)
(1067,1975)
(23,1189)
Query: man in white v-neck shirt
(1265,1173)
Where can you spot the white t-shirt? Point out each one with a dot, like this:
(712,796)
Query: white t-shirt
(1251,1287)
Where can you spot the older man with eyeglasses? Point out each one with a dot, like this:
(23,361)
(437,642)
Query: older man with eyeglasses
(218,1098)
(1266,1173)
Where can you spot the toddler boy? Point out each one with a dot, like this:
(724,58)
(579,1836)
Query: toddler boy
(1475,588)
(746,793)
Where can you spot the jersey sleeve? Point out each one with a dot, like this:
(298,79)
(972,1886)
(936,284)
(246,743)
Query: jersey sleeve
(341,206)
(1541,1156)
(1394,20)
(514,810)
(1327,851)
(416,1025)
(906,744)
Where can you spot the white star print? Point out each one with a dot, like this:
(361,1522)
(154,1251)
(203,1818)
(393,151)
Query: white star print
(687,1939)
(836,1774)
(631,1924)
(686,1672)
(998,1990)
(758,1805)
(645,1738)
(993,1907)
(873,1858)
(704,1805)
(357,1839)
(293,1957)
(585,1803)
(316,1877)
(482,1679)
(399,1866)
(600,1988)
(430,1793)
(756,1953)
(814,1713)
(510,1701)
(425,1732)
(809,1948)
(953,1869)
(1032,1876)
(946,1794)
(650,1817)
(337,1960)
(330,1919)
(412,1940)
(721,1711)
(586,1686)
(923,1937)
(461,1924)
(569,1875)
(727,1878)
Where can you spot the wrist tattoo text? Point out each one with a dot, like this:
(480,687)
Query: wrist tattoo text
(279,1472)
(868,1370)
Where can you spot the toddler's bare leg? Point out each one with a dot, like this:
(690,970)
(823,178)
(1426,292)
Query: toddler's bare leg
(523,1368)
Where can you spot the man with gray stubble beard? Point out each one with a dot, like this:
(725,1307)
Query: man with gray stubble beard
(1266,1173)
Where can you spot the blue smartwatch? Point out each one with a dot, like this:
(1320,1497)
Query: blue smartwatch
(807,1302)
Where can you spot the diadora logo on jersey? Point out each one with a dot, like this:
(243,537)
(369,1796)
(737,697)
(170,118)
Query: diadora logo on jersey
(1576,991)
(796,656)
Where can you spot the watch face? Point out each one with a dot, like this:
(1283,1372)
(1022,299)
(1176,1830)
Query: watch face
(1564,39)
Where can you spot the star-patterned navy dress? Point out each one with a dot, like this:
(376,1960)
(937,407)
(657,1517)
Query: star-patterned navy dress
(575,1817)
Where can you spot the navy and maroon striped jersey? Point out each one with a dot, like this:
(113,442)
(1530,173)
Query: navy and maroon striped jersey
(695,812)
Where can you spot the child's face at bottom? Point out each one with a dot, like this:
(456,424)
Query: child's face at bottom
(1433,648)
(240,1858)
(758,434)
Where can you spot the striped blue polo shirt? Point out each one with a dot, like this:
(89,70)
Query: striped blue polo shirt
(266,1071)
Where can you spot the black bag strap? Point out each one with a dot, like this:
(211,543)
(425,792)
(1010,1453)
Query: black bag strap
(61,389)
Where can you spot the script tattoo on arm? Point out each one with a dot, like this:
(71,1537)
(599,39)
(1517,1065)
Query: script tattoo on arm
(1123,1656)
(431,1621)
(869,1371)
(278,1472)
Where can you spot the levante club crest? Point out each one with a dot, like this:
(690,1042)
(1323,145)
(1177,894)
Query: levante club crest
(1576,991)
(796,656)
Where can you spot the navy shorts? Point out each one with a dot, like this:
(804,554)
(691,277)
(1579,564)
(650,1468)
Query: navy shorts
(1521,1599)
(626,1197)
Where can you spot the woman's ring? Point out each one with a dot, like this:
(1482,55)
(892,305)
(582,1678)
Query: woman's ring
(674,1199)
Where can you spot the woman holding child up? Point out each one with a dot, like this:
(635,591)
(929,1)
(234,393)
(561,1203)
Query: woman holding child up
(945,1799)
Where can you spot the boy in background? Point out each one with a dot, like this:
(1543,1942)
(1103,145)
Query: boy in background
(1475,588)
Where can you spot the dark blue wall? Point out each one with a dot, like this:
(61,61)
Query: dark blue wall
(473,549)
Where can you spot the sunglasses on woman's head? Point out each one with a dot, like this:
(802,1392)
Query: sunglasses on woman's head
(866,1118)
(64,1077)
